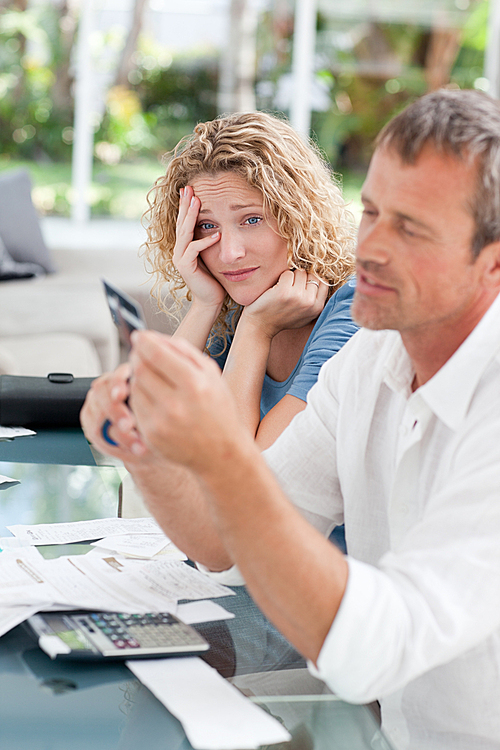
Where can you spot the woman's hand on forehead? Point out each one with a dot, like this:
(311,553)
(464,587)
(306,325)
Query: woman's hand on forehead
(186,256)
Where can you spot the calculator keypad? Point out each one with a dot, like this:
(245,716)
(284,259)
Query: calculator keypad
(154,631)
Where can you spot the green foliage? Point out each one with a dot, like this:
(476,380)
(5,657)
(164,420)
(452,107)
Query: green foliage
(166,97)
(176,98)
(469,64)
(30,126)
(164,102)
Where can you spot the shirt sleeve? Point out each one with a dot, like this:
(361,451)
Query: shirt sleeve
(435,598)
(333,329)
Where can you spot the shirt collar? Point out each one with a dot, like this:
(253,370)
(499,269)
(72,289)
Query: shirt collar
(450,391)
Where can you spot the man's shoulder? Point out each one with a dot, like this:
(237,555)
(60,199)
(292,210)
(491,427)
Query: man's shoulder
(366,348)
(361,365)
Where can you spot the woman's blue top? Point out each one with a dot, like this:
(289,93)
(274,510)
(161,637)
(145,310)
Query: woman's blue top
(332,329)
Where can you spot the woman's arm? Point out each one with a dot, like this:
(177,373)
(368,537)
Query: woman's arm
(333,329)
(277,418)
(292,304)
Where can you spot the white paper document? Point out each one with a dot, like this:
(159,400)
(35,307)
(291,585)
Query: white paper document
(82,531)
(102,583)
(13,432)
(12,616)
(137,545)
(214,714)
(202,611)
(7,481)
(176,580)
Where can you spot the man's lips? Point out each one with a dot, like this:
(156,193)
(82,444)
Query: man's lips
(240,274)
(366,284)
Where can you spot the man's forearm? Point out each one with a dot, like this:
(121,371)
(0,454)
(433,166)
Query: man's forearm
(178,501)
(185,411)
(295,575)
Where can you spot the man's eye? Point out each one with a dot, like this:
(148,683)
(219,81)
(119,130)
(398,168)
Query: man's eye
(409,231)
(252,220)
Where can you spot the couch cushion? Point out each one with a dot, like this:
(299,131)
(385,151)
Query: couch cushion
(40,306)
(11,269)
(37,355)
(19,226)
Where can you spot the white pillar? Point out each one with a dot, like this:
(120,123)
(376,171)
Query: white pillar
(83,138)
(492,55)
(304,42)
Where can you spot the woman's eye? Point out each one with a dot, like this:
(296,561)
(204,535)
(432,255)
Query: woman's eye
(206,226)
(252,220)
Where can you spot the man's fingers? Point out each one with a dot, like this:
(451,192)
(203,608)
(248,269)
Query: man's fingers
(173,360)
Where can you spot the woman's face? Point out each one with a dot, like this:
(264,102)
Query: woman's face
(250,255)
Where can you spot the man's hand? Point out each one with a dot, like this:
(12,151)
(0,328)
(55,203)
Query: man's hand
(184,409)
(293,302)
(106,401)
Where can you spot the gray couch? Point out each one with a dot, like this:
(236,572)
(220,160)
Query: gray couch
(58,319)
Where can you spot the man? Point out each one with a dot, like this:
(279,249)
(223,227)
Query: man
(400,440)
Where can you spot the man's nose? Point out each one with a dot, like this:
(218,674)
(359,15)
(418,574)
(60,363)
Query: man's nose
(374,244)
(231,248)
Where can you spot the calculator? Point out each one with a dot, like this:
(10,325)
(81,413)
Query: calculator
(114,635)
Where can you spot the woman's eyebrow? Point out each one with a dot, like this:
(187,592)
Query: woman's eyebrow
(234,207)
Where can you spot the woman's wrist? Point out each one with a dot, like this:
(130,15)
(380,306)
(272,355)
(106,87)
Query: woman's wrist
(257,329)
(197,323)
(206,309)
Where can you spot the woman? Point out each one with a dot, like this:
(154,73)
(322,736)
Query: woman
(248,223)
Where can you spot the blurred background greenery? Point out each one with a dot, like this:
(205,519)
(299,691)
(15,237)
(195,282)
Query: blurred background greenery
(368,65)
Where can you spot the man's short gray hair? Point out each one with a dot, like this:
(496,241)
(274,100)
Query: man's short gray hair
(465,124)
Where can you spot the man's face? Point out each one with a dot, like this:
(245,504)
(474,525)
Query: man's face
(415,268)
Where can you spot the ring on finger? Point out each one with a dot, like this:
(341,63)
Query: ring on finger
(104,432)
(311,281)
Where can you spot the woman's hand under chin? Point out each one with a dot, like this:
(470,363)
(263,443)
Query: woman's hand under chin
(296,300)
(204,288)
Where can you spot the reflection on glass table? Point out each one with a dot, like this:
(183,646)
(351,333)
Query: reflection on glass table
(50,446)
(47,493)
(47,705)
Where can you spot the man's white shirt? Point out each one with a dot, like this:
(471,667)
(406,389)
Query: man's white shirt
(416,479)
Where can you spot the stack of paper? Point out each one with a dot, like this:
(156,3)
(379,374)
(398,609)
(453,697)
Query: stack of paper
(102,579)
(126,572)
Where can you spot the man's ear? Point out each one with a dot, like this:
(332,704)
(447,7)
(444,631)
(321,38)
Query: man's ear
(491,264)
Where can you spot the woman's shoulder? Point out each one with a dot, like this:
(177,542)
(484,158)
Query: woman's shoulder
(345,292)
(339,304)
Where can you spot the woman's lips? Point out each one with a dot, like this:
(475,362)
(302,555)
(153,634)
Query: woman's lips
(240,275)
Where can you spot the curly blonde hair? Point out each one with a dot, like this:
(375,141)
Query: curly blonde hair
(297,187)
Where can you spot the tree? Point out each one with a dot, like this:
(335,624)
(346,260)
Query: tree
(126,64)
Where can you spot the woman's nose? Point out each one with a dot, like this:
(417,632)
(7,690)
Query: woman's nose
(231,248)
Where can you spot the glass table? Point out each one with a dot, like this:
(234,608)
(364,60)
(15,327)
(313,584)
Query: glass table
(47,705)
